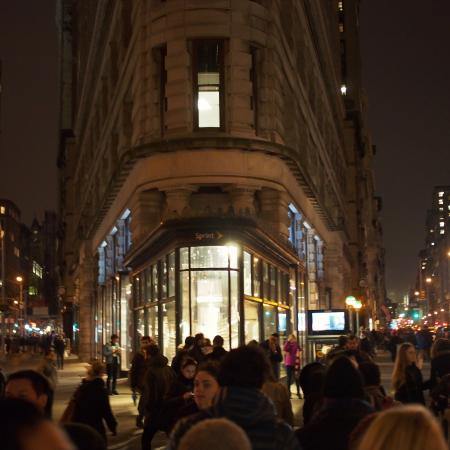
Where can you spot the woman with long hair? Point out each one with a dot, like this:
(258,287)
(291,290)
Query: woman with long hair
(407,378)
(409,427)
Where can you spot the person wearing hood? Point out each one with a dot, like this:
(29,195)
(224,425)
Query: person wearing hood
(158,380)
(91,401)
(242,374)
(343,407)
(440,361)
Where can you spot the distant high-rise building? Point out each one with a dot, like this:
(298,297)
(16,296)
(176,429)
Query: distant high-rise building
(433,280)
(216,170)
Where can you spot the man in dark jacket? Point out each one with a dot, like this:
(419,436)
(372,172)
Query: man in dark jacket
(242,374)
(273,351)
(218,351)
(158,379)
(137,374)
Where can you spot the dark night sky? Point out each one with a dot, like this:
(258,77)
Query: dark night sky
(405,51)
(406,64)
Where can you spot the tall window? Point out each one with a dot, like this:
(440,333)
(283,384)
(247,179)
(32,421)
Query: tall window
(159,57)
(208,83)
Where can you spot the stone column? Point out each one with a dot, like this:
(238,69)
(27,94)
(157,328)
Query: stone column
(334,273)
(243,200)
(87,287)
(146,207)
(178,202)
(274,211)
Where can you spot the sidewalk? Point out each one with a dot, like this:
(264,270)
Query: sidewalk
(68,380)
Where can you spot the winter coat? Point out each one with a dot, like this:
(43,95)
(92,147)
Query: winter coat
(109,354)
(331,426)
(275,357)
(424,340)
(279,395)
(174,401)
(290,349)
(216,355)
(92,406)
(250,409)
(137,371)
(440,366)
(411,391)
(376,397)
(158,379)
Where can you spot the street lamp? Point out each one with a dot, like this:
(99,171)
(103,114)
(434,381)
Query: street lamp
(357,306)
(19,280)
(428,280)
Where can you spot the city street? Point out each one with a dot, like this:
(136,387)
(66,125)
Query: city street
(128,436)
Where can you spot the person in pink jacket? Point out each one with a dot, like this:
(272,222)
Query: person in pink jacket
(292,353)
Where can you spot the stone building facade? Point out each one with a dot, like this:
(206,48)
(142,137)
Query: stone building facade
(215,174)
(433,279)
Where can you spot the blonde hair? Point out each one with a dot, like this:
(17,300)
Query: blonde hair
(409,427)
(401,362)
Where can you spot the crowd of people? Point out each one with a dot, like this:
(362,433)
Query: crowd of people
(208,397)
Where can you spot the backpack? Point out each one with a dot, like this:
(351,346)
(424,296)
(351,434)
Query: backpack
(440,395)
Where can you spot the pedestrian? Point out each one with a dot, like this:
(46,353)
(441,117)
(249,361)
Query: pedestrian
(24,427)
(291,353)
(48,367)
(242,374)
(111,353)
(393,343)
(372,385)
(206,387)
(207,347)
(280,396)
(182,353)
(218,351)
(179,393)
(440,376)
(59,350)
(196,350)
(203,436)
(158,379)
(273,352)
(311,379)
(407,378)
(137,376)
(353,348)
(342,408)
(32,386)
(91,401)
(440,361)
(410,427)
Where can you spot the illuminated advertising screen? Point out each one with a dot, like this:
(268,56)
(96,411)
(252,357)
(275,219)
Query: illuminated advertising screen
(332,322)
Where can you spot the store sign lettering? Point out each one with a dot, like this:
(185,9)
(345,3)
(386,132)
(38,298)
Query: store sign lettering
(213,235)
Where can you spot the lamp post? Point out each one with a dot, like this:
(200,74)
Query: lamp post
(350,301)
(357,306)
(19,280)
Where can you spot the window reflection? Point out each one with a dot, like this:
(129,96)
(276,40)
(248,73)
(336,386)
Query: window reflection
(270,321)
(251,326)
(169,330)
(209,302)
(247,273)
